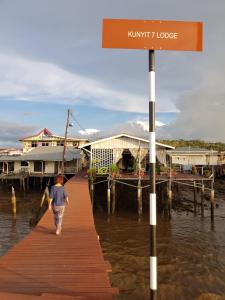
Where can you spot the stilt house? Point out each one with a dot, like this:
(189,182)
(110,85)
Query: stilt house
(123,150)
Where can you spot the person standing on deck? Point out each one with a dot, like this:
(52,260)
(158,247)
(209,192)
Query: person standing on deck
(58,198)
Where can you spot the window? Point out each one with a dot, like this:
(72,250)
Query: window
(33,144)
(39,166)
(45,144)
(11,166)
(60,143)
(24,164)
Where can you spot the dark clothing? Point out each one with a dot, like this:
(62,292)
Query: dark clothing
(58,195)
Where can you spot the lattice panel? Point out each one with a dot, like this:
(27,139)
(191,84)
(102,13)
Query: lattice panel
(102,159)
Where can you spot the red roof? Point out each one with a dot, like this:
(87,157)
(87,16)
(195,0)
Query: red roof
(45,130)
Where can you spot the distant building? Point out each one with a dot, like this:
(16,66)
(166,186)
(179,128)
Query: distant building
(46,138)
(10,151)
(188,156)
(43,161)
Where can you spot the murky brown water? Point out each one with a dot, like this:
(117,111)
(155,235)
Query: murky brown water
(191,253)
(12,231)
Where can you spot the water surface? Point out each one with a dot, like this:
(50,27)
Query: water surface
(13,230)
(191,252)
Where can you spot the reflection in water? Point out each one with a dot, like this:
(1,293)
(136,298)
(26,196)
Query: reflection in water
(191,253)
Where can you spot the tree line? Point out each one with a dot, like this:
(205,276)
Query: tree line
(217,146)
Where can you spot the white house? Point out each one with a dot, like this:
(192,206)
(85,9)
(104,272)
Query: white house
(123,150)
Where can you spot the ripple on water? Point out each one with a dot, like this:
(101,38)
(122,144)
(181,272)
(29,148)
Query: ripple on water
(12,231)
(191,255)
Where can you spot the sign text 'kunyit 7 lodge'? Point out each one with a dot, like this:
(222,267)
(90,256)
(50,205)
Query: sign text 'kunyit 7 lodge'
(154,35)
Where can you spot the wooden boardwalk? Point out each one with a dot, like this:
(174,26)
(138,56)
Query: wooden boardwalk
(69,266)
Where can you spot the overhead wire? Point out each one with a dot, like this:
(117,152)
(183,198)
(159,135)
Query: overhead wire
(77,122)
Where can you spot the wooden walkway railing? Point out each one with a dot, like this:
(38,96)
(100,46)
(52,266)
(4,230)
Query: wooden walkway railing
(68,266)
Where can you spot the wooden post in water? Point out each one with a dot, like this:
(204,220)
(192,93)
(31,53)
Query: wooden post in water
(212,199)
(24,186)
(13,201)
(195,198)
(113,196)
(169,195)
(28,183)
(202,199)
(92,191)
(20,183)
(44,196)
(139,196)
(169,190)
(162,197)
(108,198)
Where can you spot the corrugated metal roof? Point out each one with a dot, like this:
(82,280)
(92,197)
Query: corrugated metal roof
(186,150)
(124,135)
(191,149)
(48,153)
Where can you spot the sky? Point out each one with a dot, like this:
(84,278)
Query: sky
(51,59)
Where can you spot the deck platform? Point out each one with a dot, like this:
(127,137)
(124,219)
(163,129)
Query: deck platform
(177,177)
(69,266)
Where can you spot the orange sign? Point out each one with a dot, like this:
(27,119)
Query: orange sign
(155,35)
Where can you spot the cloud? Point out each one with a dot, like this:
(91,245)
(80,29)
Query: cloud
(89,131)
(28,80)
(145,124)
(11,132)
(64,61)
(201,111)
(138,128)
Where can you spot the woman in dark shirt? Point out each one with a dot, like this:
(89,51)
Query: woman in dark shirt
(58,198)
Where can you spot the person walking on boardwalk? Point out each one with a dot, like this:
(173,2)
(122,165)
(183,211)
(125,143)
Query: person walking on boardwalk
(58,198)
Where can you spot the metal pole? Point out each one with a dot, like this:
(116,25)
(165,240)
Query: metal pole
(64,145)
(152,162)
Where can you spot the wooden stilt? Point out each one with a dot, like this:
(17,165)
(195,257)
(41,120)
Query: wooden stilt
(212,200)
(92,192)
(169,201)
(113,196)
(139,196)
(23,183)
(164,203)
(169,195)
(13,201)
(108,198)
(28,183)
(202,199)
(195,198)
(45,196)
